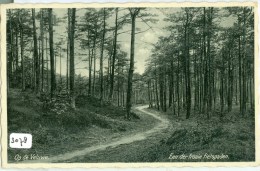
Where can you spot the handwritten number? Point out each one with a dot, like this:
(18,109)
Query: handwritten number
(21,141)
(25,139)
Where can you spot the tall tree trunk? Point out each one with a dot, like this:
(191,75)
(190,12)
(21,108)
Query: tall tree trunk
(47,67)
(230,82)
(161,88)
(165,91)
(222,85)
(55,62)
(60,69)
(42,53)
(17,55)
(131,68)
(177,85)
(252,90)
(94,69)
(149,93)
(195,104)
(72,69)
(173,94)
(68,51)
(244,64)
(10,59)
(22,55)
(170,76)
(201,86)
(209,91)
(113,59)
(187,67)
(53,75)
(118,86)
(101,57)
(90,66)
(37,68)
(94,56)
(206,73)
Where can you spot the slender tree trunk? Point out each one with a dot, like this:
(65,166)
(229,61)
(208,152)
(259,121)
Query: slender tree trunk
(94,56)
(230,84)
(42,53)
(68,51)
(118,86)
(37,68)
(60,69)
(53,75)
(252,90)
(90,66)
(156,87)
(131,68)
(209,101)
(94,70)
(170,76)
(47,61)
(244,64)
(164,92)
(101,56)
(10,60)
(222,86)
(177,85)
(113,59)
(187,67)
(195,104)
(17,56)
(236,100)
(206,70)
(72,69)
(149,93)
(161,88)
(55,62)
(22,55)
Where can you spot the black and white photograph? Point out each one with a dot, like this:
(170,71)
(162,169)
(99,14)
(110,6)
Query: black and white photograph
(129,84)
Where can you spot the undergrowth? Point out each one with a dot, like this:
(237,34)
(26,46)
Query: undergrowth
(54,122)
(231,135)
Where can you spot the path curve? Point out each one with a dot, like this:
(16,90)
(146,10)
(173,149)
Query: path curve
(163,124)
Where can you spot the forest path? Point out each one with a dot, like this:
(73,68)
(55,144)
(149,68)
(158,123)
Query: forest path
(130,140)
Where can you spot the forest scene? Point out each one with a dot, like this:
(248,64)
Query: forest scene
(131,84)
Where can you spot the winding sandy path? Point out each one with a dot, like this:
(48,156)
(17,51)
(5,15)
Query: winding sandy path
(163,124)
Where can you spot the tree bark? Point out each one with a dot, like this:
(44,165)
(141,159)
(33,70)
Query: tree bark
(42,53)
(53,75)
(72,69)
(37,68)
(68,51)
(101,57)
(131,68)
(22,53)
(114,58)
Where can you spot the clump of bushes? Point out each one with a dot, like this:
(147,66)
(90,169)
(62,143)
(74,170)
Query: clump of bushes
(58,105)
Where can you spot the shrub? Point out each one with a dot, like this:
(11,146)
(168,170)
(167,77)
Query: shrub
(58,105)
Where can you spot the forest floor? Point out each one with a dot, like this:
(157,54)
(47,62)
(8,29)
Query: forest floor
(194,140)
(101,134)
(90,126)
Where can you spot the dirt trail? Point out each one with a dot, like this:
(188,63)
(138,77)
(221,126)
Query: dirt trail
(163,124)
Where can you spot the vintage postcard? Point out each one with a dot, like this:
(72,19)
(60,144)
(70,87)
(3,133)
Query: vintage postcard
(129,85)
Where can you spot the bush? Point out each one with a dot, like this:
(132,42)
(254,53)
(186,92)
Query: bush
(58,105)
